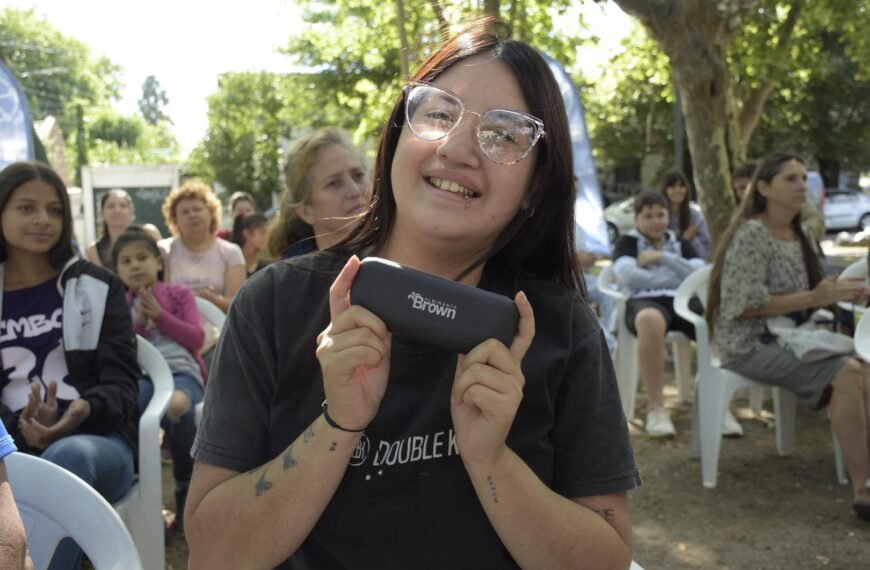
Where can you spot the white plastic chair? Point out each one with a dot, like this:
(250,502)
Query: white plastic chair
(715,386)
(56,504)
(627,368)
(211,313)
(856,269)
(142,507)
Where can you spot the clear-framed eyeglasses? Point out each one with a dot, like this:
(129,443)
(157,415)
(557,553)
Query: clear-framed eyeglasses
(504,136)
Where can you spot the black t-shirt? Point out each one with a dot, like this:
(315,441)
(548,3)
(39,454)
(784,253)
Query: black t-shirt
(406,500)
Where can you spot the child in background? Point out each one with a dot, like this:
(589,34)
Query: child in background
(167,316)
(249,233)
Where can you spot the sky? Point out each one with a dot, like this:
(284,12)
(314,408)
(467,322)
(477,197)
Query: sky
(186,45)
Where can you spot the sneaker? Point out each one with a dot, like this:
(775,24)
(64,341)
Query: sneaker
(658,423)
(730,426)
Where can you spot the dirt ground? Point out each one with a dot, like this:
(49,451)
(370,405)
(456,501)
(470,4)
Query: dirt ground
(766,513)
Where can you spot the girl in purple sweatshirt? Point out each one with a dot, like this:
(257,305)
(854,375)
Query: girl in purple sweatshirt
(167,316)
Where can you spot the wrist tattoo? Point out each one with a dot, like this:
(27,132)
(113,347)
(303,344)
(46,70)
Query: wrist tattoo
(606,514)
(333,446)
(308,434)
(491,484)
(289,460)
(262,485)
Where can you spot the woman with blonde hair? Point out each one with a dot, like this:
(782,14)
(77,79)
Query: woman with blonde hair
(327,188)
(213,268)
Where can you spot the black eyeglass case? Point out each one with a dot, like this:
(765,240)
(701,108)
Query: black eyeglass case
(431,310)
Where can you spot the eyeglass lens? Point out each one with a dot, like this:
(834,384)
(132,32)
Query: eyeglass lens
(504,136)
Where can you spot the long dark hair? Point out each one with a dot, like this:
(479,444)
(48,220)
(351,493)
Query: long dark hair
(19,173)
(541,244)
(677,178)
(752,205)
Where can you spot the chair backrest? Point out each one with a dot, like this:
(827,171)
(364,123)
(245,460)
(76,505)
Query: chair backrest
(56,504)
(607,284)
(862,338)
(856,269)
(695,285)
(211,312)
(142,507)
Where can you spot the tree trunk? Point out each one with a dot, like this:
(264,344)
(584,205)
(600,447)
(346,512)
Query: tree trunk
(403,40)
(706,103)
(491,7)
(695,36)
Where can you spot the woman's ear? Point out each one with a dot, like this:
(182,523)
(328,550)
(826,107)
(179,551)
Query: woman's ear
(761,187)
(303,212)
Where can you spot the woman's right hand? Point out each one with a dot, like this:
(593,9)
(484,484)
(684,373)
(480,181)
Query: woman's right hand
(831,290)
(354,355)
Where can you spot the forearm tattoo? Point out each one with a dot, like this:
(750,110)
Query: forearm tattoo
(289,460)
(491,483)
(262,485)
(606,514)
(308,434)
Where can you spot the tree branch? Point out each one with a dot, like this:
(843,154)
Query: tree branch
(442,20)
(753,105)
(644,10)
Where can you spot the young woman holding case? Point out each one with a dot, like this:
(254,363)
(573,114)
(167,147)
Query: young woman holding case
(506,456)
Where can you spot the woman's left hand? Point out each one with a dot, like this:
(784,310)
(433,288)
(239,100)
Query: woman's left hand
(488,389)
(690,232)
(40,436)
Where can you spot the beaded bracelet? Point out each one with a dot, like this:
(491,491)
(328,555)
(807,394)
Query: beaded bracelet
(333,423)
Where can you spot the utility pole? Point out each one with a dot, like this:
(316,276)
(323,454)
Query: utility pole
(81,143)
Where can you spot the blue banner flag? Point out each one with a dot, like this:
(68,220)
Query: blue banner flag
(16,129)
(588,208)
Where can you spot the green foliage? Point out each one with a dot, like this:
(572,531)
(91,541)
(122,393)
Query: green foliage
(57,72)
(242,147)
(116,139)
(819,104)
(60,74)
(153,101)
(348,61)
(629,111)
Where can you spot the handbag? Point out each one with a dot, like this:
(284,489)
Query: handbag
(808,341)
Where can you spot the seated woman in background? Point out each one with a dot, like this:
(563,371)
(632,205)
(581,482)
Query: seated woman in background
(241,204)
(212,267)
(686,218)
(116,209)
(650,262)
(249,233)
(118,212)
(811,218)
(327,190)
(68,350)
(767,266)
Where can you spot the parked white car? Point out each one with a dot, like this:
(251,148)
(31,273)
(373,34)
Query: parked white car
(846,209)
(620,218)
